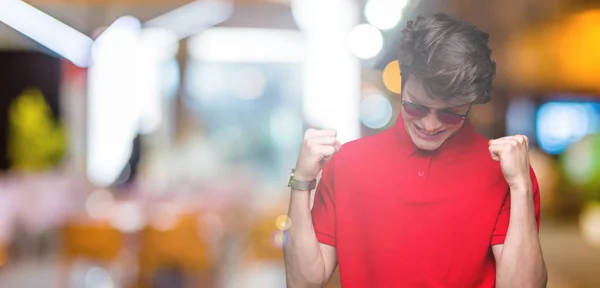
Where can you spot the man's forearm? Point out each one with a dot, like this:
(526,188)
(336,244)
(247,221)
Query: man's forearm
(304,263)
(521,263)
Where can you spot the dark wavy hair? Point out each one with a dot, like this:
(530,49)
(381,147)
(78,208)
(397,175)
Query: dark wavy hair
(452,58)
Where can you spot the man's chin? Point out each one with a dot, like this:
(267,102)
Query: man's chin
(428,146)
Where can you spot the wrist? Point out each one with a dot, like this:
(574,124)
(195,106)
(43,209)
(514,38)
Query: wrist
(298,182)
(298,175)
(521,186)
(303,179)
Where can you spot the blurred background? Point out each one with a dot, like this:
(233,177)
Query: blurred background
(148,143)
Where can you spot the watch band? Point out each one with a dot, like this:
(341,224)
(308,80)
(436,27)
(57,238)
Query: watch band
(301,185)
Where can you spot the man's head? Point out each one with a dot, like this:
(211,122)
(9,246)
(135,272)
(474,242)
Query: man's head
(446,66)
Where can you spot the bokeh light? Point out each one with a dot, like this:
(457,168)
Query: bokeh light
(330,15)
(581,164)
(100,204)
(128,217)
(164,216)
(97,277)
(560,124)
(589,223)
(375,111)
(384,14)
(283,222)
(578,50)
(279,238)
(391,77)
(365,41)
(578,163)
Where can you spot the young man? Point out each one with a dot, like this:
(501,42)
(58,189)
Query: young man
(430,202)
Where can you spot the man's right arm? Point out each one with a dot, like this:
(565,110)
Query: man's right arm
(309,263)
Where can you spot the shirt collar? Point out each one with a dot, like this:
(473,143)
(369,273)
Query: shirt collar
(452,146)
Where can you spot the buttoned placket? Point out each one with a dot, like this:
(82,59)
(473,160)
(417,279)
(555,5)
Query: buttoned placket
(421,172)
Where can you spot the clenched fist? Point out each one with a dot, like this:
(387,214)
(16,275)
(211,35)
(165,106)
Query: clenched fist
(513,154)
(318,147)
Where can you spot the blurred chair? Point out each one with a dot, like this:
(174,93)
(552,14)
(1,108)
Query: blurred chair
(266,241)
(3,255)
(94,241)
(98,241)
(179,248)
(265,245)
(262,259)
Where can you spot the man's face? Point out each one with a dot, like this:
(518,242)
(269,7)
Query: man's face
(429,122)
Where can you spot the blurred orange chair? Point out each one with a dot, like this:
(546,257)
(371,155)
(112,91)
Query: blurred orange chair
(3,255)
(93,240)
(265,241)
(179,246)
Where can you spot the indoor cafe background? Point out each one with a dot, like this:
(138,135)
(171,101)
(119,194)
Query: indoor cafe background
(149,143)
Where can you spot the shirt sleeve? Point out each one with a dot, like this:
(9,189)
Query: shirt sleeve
(504,218)
(323,210)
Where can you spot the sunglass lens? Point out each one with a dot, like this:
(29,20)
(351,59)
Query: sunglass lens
(450,119)
(415,111)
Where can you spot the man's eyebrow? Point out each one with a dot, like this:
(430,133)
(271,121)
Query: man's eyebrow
(412,97)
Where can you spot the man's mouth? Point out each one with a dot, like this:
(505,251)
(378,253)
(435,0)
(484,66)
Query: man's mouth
(429,134)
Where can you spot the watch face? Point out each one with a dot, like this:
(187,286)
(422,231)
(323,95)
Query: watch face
(292,180)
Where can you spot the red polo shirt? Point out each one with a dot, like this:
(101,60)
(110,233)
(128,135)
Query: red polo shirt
(400,217)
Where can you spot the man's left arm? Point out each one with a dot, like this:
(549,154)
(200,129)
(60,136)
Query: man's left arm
(519,261)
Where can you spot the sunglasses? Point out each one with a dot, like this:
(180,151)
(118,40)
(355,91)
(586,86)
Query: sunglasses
(445,117)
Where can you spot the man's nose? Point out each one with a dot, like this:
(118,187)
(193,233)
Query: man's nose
(431,123)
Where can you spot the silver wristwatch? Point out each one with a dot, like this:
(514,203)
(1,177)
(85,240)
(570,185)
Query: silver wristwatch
(301,185)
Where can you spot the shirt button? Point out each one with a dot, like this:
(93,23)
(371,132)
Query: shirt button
(421,173)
